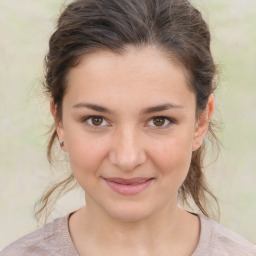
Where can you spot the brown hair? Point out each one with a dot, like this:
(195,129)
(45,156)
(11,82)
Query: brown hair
(174,26)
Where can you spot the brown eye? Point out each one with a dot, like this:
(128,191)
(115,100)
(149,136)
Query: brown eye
(97,120)
(159,121)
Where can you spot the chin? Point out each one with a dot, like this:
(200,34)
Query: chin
(130,212)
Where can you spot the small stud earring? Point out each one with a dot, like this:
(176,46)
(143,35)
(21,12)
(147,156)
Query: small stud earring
(61,144)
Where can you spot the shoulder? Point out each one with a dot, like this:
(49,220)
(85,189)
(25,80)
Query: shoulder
(216,240)
(51,239)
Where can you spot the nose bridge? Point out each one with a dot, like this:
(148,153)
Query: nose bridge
(127,151)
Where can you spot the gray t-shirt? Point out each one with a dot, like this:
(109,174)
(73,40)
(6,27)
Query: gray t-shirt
(54,239)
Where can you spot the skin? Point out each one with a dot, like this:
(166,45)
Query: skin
(127,143)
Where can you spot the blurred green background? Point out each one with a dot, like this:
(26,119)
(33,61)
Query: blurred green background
(25,27)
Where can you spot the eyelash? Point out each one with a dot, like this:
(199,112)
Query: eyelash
(170,120)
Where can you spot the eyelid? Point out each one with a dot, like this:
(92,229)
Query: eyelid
(169,119)
(84,120)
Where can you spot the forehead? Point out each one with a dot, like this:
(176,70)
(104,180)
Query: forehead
(144,75)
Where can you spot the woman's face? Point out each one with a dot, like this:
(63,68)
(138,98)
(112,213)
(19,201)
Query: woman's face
(129,126)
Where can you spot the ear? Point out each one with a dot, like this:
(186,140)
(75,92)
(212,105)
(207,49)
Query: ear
(203,124)
(58,125)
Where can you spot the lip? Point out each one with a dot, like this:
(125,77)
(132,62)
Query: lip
(128,186)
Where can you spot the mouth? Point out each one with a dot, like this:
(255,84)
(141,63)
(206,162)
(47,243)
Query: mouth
(128,186)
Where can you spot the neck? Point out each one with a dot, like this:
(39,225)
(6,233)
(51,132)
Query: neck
(166,230)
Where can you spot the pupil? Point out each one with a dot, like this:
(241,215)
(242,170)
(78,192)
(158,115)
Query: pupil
(97,120)
(159,121)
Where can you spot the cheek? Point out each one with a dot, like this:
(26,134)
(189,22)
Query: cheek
(173,161)
(86,153)
(173,156)
(86,156)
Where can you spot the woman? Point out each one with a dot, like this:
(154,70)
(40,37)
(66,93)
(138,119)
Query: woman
(131,87)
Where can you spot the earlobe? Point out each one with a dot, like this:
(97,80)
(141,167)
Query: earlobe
(203,124)
(58,125)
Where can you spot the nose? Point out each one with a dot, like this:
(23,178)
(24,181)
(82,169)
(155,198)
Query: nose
(126,152)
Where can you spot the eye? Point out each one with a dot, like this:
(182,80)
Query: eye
(95,121)
(161,122)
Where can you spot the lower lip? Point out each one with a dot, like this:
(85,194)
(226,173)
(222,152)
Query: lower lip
(128,190)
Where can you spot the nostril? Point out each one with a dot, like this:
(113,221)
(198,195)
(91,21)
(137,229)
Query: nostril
(127,161)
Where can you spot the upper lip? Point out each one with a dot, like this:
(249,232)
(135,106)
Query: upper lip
(123,181)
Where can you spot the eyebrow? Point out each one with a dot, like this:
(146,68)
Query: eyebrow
(144,111)
(93,107)
(160,108)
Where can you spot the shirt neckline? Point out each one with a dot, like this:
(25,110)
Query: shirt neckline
(202,248)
